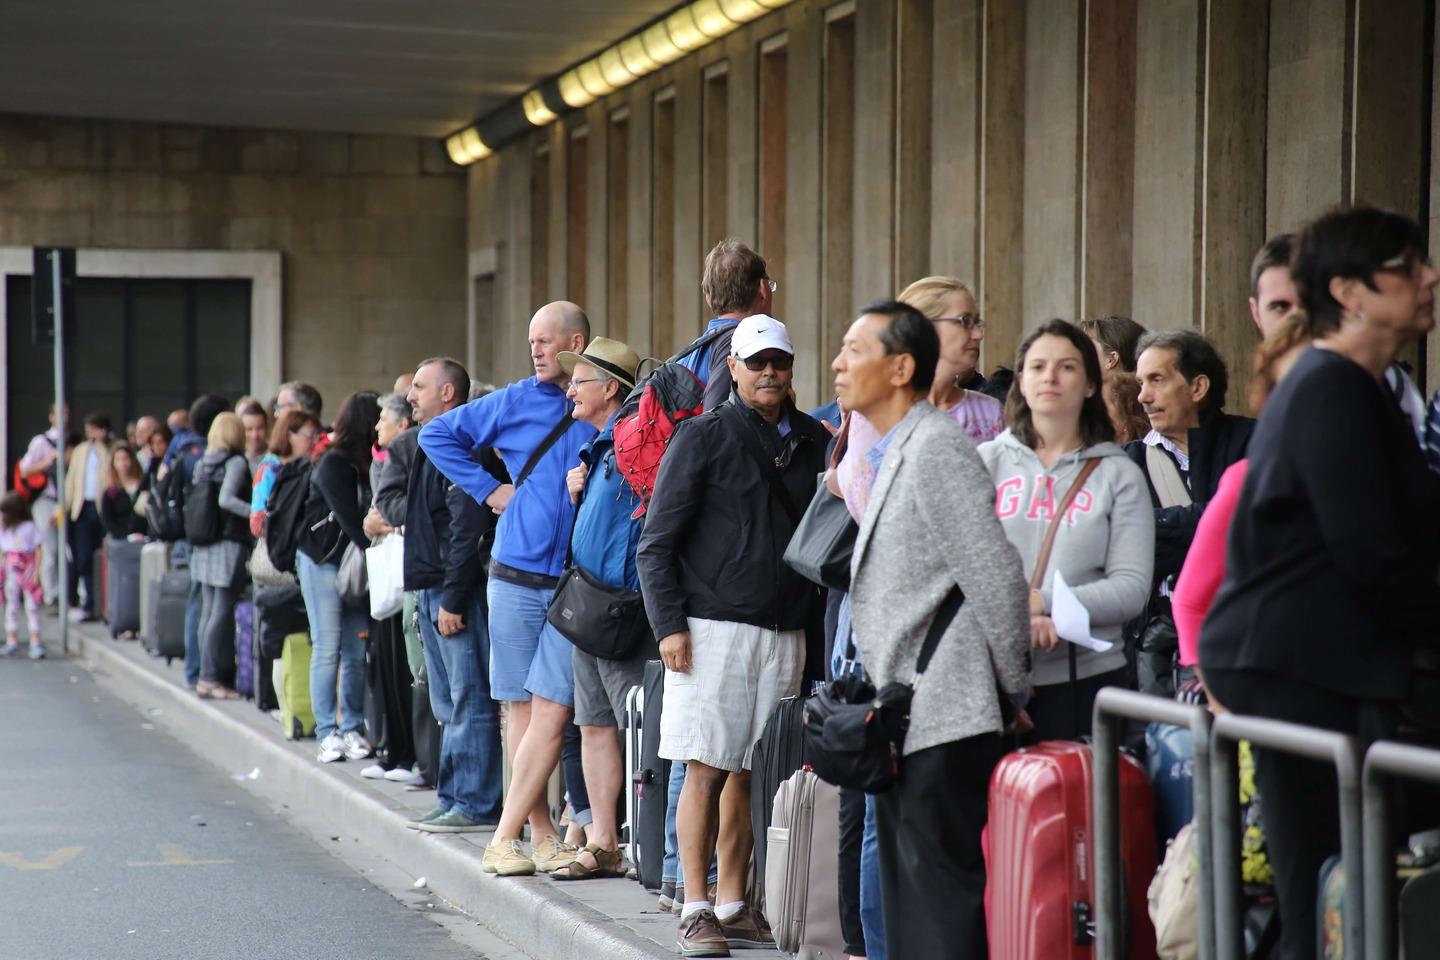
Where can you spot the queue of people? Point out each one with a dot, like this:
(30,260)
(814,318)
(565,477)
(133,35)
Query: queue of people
(1285,567)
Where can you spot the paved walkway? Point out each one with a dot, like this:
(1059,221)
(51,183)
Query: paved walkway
(614,919)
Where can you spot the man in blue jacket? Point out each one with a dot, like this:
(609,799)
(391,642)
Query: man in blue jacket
(603,545)
(528,423)
(443,527)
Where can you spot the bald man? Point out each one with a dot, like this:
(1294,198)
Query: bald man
(529,424)
(402,384)
(145,428)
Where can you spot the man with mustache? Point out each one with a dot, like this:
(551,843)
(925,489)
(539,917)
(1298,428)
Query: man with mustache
(1190,444)
(729,613)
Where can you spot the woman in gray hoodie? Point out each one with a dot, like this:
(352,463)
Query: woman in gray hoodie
(1105,546)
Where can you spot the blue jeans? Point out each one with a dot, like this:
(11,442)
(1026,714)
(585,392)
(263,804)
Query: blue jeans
(469,775)
(872,919)
(337,643)
(193,609)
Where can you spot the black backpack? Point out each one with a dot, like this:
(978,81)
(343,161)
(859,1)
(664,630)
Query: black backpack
(205,522)
(166,513)
(285,513)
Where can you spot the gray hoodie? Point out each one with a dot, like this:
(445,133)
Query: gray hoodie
(1105,548)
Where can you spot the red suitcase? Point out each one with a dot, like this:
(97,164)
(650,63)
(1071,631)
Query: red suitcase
(1040,860)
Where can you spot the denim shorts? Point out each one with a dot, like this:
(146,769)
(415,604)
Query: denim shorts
(517,618)
(552,671)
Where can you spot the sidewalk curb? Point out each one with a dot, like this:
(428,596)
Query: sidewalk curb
(545,923)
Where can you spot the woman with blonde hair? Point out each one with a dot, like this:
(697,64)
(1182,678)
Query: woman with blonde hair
(949,304)
(218,564)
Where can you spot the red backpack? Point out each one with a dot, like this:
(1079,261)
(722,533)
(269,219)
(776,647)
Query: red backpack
(646,422)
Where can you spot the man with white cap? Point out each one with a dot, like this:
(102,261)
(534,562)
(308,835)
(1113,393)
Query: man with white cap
(729,613)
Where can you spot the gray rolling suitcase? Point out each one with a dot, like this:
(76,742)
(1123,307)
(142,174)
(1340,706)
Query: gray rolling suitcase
(122,592)
(168,598)
(802,868)
(154,561)
(634,749)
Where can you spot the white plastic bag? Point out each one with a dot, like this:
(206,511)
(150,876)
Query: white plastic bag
(385,562)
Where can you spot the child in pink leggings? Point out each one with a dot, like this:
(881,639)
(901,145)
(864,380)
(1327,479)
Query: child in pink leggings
(20,545)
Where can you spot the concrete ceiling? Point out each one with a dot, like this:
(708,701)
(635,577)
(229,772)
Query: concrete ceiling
(421,67)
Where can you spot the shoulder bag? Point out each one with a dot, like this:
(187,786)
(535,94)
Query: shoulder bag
(824,541)
(855,735)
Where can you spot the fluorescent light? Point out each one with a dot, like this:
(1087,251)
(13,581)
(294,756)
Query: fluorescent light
(466,147)
(637,60)
(592,78)
(612,66)
(710,19)
(572,91)
(684,31)
(743,11)
(659,46)
(535,109)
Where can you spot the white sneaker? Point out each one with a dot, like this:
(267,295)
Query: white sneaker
(399,775)
(356,746)
(373,772)
(332,748)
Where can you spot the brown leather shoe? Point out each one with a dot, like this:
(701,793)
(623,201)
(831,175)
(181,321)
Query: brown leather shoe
(701,936)
(748,928)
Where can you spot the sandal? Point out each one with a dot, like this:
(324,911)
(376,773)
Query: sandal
(214,691)
(609,863)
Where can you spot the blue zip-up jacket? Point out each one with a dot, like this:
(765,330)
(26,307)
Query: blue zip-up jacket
(534,530)
(606,536)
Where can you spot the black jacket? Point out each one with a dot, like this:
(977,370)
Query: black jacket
(391,492)
(1219,441)
(716,531)
(443,528)
(335,487)
(1331,567)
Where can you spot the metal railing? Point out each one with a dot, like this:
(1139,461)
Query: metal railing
(1384,762)
(1325,746)
(1112,706)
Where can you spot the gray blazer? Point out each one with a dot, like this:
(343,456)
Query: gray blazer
(930,524)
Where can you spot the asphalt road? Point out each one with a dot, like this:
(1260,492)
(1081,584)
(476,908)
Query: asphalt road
(116,842)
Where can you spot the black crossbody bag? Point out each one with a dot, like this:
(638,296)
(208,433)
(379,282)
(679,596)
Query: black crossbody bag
(855,735)
(604,621)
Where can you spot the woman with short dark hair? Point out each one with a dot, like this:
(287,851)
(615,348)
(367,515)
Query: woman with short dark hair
(928,530)
(1104,550)
(333,516)
(1330,579)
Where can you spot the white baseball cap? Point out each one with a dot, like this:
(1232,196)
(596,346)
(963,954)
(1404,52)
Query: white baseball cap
(757,333)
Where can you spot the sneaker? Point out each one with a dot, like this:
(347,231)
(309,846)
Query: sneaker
(77,615)
(332,748)
(748,928)
(373,772)
(356,746)
(506,858)
(37,651)
(452,821)
(11,649)
(667,897)
(552,853)
(399,775)
(436,811)
(701,936)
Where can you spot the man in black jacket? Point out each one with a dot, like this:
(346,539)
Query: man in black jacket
(443,526)
(1190,444)
(730,614)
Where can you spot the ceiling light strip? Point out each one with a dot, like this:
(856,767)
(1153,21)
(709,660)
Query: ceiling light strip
(679,33)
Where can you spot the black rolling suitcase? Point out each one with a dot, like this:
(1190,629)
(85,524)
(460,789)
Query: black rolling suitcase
(778,753)
(122,588)
(388,711)
(170,595)
(651,781)
(427,730)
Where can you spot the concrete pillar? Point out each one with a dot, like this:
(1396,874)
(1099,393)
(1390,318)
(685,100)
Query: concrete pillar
(688,253)
(1107,157)
(915,50)
(597,265)
(801,289)
(1002,180)
(958,26)
(1233,223)
(1170,45)
(558,136)
(638,285)
(741,127)
(875,33)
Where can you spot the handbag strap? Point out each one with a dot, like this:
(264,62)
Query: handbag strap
(1170,488)
(556,432)
(842,442)
(1042,560)
(948,608)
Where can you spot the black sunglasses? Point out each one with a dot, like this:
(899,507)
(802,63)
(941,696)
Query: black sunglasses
(780,361)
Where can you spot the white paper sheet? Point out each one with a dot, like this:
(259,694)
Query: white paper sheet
(1072,620)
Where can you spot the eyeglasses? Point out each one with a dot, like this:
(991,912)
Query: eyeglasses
(968,321)
(310,435)
(576,383)
(780,361)
(774,285)
(1407,263)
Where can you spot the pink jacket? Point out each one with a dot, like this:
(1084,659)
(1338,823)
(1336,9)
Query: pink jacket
(1204,568)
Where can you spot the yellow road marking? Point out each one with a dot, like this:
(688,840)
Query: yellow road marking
(54,860)
(174,856)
